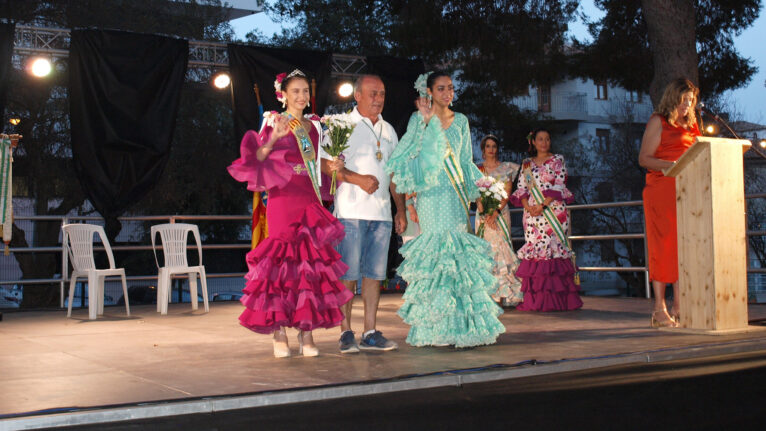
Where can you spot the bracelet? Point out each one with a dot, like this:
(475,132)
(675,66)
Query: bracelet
(409,201)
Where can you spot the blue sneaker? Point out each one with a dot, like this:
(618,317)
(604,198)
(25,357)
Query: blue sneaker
(376,341)
(348,343)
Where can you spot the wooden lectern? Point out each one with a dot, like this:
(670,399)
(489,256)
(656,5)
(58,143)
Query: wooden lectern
(712,240)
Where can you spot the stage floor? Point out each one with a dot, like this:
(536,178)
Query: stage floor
(50,362)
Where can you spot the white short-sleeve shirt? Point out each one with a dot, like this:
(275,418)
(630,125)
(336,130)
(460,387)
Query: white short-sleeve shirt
(351,201)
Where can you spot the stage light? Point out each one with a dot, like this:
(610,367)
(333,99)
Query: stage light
(40,67)
(221,80)
(345,89)
(762,143)
(711,129)
(15,121)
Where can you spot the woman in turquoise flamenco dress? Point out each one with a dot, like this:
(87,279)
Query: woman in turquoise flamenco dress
(448,270)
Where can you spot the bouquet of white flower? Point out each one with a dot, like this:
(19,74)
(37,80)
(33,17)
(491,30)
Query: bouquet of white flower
(339,128)
(491,192)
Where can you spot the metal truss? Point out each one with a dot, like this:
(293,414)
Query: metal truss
(53,42)
(205,58)
(348,66)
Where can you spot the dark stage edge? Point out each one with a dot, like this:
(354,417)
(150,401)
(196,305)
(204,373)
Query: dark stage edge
(493,370)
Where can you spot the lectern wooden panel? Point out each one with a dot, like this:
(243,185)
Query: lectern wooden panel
(712,241)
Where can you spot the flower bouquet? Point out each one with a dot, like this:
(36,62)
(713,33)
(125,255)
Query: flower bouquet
(339,128)
(491,192)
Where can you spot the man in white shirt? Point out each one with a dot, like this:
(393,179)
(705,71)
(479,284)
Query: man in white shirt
(363,205)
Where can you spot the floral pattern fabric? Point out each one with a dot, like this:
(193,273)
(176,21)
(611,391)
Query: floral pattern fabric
(540,241)
(546,268)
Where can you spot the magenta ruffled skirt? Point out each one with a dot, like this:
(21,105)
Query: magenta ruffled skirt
(293,277)
(548,285)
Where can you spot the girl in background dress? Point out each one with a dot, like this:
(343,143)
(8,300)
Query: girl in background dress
(447,270)
(546,267)
(508,288)
(292,280)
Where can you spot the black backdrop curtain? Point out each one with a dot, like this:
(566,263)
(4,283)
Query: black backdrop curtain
(249,65)
(6,51)
(124,92)
(399,77)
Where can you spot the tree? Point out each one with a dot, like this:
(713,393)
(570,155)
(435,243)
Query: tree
(497,49)
(624,53)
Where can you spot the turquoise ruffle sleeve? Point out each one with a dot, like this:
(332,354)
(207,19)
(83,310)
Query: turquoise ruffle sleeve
(418,160)
(471,173)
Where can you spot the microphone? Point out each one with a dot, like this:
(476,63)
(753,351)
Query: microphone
(702,108)
(720,121)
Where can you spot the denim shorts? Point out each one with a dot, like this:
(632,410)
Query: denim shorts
(365,248)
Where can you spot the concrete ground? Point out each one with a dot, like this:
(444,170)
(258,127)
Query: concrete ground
(51,362)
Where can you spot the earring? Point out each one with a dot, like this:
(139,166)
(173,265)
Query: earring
(450,103)
(430,101)
(308,104)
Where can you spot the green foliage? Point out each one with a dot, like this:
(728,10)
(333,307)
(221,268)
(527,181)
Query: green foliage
(620,52)
(497,48)
(341,26)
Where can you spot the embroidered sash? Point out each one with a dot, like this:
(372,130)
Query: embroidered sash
(455,175)
(307,153)
(6,190)
(550,217)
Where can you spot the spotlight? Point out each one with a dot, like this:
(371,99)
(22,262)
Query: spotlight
(711,129)
(15,121)
(221,80)
(40,67)
(762,143)
(345,89)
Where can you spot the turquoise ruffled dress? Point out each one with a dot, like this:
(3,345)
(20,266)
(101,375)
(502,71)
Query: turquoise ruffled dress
(448,271)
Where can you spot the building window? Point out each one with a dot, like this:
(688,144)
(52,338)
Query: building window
(601,90)
(544,98)
(633,96)
(602,136)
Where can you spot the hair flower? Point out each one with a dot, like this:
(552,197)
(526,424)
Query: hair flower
(278,89)
(420,83)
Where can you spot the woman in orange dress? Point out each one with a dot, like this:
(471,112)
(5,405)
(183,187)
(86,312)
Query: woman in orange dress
(669,133)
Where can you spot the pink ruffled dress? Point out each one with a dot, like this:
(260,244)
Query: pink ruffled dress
(293,274)
(546,270)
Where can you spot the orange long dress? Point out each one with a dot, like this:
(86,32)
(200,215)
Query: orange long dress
(660,204)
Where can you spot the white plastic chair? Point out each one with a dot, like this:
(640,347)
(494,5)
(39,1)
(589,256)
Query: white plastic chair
(78,240)
(174,236)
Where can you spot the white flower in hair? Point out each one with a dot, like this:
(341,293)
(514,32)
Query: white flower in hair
(420,83)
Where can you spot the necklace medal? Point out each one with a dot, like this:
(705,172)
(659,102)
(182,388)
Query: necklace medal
(378,153)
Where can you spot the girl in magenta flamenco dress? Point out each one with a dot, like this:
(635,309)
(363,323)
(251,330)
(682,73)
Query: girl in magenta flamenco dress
(546,268)
(293,274)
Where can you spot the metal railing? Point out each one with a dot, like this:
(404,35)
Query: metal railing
(162,219)
(246,246)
